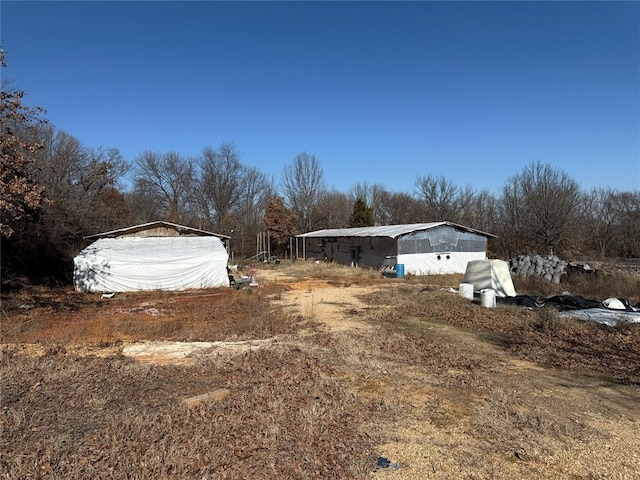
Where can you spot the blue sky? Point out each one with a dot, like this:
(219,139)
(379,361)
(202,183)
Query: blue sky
(379,92)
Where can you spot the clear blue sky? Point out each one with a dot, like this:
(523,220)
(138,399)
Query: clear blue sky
(379,92)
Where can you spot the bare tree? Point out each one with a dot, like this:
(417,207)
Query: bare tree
(332,210)
(626,206)
(256,189)
(542,205)
(303,183)
(465,211)
(441,198)
(233,196)
(167,179)
(221,185)
(481,211)
(82,186)
(397,208)
(364,191)
(377,197)
(144,204)
(474,209)
(601,218)
(511,240)
(444,201)
(69,169)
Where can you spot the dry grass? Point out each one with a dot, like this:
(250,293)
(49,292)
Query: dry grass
(439,384)
(625,284)
(539,335)
(65,316)
(333,273)
(286,417)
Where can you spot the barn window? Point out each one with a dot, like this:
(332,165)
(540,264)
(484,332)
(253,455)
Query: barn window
(441,239)
(443,235)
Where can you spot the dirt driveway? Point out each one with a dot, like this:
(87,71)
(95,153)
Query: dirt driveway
(333,306)
(547,423)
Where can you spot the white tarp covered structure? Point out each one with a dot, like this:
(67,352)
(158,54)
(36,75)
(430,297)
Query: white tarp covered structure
(128,264)
(490,274)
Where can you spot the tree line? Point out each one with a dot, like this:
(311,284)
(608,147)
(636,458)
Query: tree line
(55,191)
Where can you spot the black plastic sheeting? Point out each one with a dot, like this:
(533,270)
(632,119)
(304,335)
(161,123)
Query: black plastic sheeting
(561,302)
(579,307)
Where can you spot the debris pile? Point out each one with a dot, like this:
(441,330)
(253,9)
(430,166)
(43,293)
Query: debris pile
(549,267)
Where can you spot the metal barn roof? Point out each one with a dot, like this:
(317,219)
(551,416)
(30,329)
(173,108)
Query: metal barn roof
(392,231)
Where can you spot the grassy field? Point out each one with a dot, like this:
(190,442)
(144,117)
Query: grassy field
(435,383)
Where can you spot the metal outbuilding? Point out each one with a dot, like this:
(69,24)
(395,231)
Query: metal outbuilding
(421,248)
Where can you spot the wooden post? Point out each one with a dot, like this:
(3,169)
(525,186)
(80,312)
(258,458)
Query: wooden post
(206,397)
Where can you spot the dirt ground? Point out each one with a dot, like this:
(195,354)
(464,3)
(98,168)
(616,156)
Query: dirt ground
(443,392)
(609,413)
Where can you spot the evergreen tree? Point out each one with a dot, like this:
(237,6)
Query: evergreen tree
(362,215)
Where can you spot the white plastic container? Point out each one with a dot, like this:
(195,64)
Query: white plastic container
(488,298)
(466,290)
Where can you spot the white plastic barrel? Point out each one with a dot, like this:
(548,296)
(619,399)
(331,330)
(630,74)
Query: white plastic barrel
(488,298)
(466,290)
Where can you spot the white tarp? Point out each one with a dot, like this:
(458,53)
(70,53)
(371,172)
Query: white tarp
(493,274)
(128,264)
(437,263)
(606,316)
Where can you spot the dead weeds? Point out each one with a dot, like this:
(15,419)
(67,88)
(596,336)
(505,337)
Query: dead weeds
(65,316)
(440,385)
(539,335)
(286,417)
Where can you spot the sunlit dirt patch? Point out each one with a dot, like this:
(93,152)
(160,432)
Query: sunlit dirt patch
(188,353)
